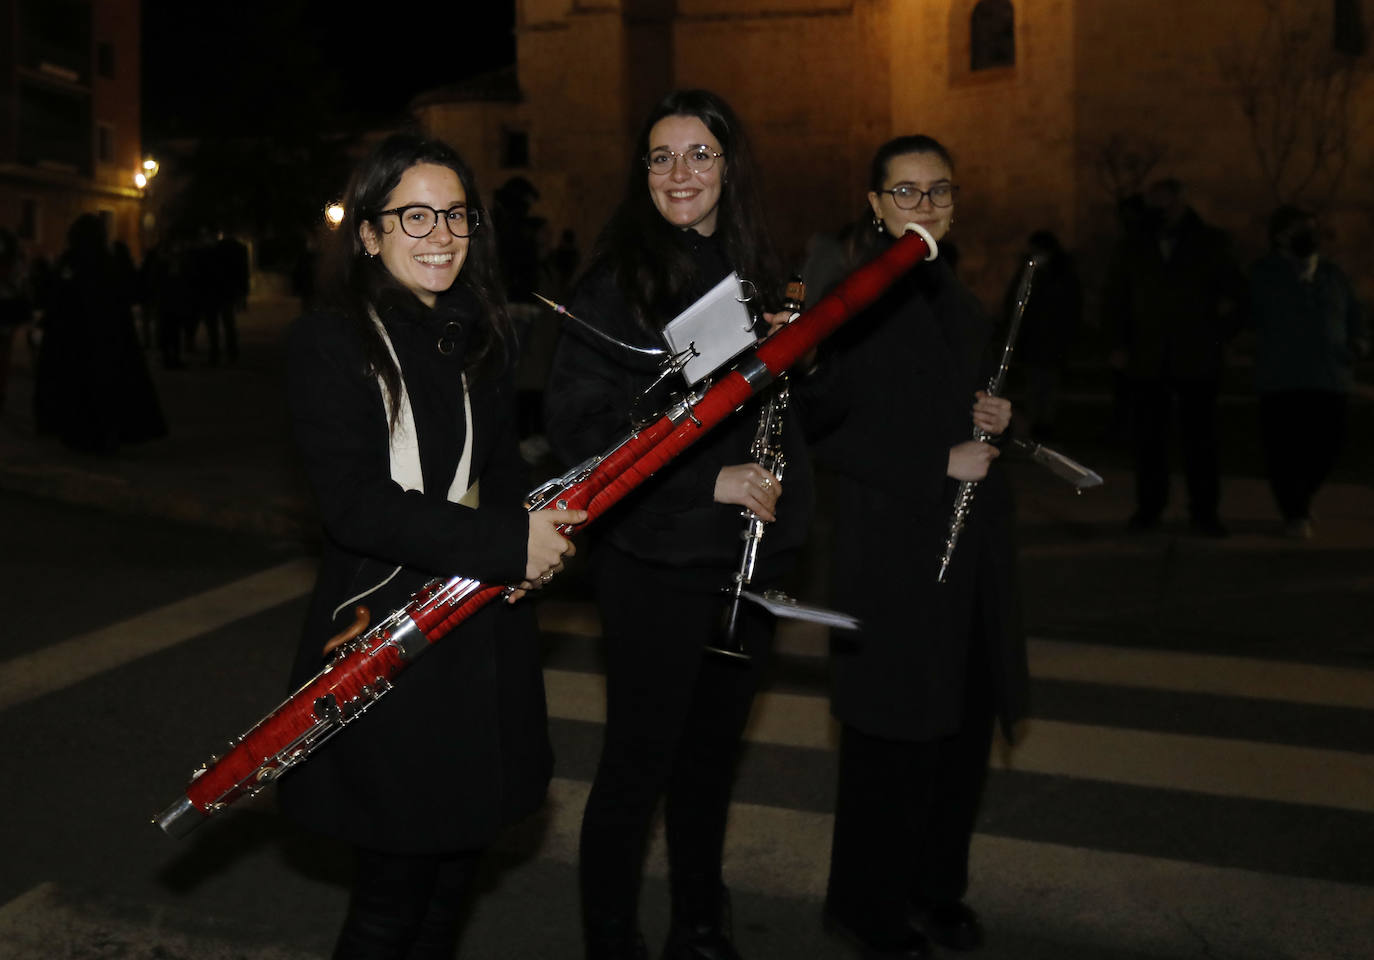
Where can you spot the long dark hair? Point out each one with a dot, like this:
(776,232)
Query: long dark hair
(862,241)
(352,282)
(637,243)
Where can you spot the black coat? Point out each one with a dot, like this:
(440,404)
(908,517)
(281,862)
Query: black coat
(901,378)
(1173,314)
(460,747)
(672,518)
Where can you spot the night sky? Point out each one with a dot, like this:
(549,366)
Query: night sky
(266,66)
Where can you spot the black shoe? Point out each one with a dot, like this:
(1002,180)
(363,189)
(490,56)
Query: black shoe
(701,930)
(951,925)
(1141,522)
(687,944)
(913,946)
(1209,527)
(615,942)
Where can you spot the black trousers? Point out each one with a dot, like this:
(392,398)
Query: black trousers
(406,907)
(220,320)
(1197,415)
(674,717)
(904,818)
(1303,433)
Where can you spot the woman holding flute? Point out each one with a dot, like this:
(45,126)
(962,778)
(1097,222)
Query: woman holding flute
(917,690)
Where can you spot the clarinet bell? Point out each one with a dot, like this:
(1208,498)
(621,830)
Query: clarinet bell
(730,644)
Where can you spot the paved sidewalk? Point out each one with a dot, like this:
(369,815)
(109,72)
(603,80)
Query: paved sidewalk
(226,462)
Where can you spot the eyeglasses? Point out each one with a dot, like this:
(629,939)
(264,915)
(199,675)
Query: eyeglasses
(419,221)
(698,159)
(908,197)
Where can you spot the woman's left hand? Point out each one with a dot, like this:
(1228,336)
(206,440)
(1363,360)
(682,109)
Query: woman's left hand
(776,321)
(991,414)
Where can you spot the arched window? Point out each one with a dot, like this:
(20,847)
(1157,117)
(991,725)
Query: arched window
(992,35)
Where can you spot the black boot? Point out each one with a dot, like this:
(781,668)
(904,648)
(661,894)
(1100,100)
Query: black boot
(701,928)
(615,941)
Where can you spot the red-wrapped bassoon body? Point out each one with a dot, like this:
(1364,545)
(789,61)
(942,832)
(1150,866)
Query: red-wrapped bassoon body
(365,668)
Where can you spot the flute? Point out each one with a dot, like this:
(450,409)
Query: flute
(963,497)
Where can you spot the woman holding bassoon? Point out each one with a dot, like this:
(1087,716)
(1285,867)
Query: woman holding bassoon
(675,713)
(402,405)
(917,690)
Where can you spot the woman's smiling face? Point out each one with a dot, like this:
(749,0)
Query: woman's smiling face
(686,199)
(923,171)
(429,265)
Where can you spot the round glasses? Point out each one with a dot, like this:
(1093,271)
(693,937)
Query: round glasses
(698,159)
(908,197)
(418,221)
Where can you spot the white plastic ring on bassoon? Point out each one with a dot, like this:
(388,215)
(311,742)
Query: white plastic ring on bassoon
(930,241)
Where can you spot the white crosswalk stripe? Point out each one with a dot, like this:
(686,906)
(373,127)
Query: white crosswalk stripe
(1238,768)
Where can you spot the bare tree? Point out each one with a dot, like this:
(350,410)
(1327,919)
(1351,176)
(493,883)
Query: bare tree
(1296,90)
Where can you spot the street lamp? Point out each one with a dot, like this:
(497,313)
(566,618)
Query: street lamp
(334,213)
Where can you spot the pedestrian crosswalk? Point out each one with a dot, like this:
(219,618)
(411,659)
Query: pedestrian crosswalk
(1160,803)
(1216,882)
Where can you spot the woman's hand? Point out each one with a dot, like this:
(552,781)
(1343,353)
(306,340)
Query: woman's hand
(776,321)
(970,460)
(547,548)
(991,414)
(750,486)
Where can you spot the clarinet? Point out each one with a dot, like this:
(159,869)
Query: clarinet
(963,498)
(767,453)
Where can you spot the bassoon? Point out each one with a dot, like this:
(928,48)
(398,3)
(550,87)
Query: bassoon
(364,669)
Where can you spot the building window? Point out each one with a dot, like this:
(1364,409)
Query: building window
(55,128)
(992,35)
(1347,28)
(104,60)
(104,143)
(515,149)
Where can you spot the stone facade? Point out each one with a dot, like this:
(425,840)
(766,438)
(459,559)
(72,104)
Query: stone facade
(1048,141)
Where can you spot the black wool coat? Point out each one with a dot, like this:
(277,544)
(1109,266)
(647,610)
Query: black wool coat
(900,383)
(460,747)
(672,519)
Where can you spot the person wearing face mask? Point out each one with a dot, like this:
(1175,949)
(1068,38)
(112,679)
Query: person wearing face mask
(1309,330)
(403,411)
(1174,296)
(919,688)
(690,214)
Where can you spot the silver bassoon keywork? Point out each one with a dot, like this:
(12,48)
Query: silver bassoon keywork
(963,497)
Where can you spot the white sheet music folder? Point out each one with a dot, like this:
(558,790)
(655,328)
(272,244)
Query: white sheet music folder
(717,326)
(781,605)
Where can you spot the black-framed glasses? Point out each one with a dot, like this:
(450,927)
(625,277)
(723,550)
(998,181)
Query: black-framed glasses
(698,159)
(418,221)
(908,197)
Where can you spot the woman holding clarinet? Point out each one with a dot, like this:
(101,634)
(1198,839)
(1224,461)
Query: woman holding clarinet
(690,215)
(917,690)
